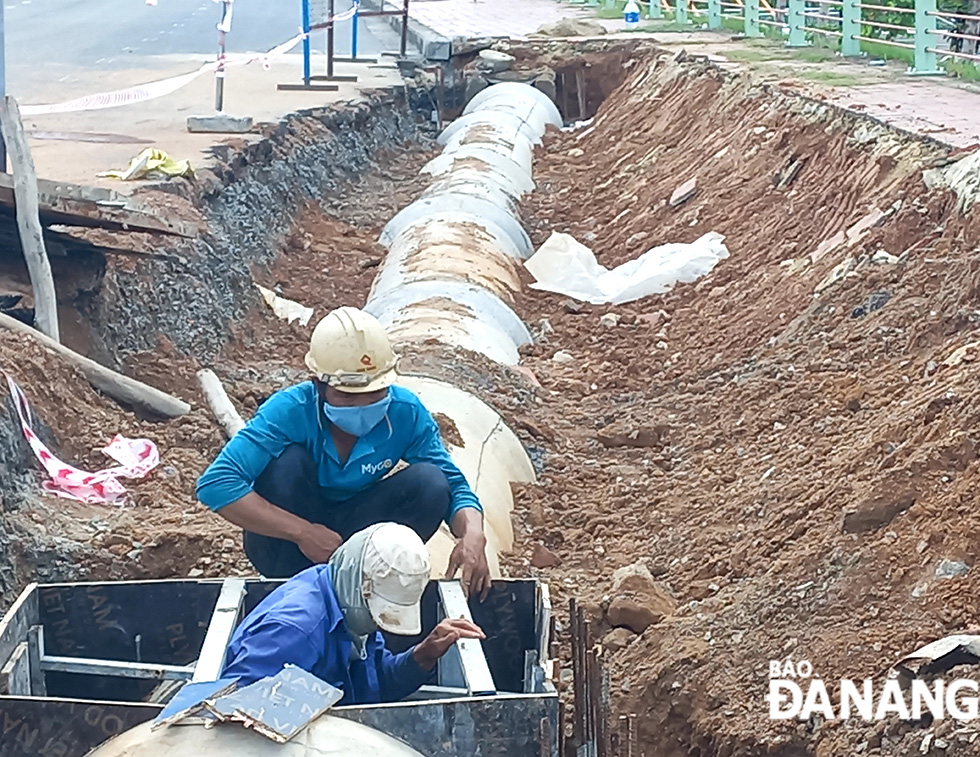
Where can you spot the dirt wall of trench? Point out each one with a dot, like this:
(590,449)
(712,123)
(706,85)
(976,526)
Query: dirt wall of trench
(791,459)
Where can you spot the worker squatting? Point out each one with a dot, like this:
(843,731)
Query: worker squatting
(807,696)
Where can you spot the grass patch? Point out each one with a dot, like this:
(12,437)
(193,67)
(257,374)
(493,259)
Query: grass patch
(754,56)
(813,54)
(830,77)
(879,51)
(611,13)
(962,68)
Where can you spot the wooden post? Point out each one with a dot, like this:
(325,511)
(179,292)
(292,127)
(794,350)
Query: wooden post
(28,220)
(123,388)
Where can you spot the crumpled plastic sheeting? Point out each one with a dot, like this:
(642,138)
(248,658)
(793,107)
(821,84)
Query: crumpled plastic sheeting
(288,310)
(565,266)
(151,164)
(136,458)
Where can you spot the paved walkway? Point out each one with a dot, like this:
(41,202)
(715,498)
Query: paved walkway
(942,108)
(490,18)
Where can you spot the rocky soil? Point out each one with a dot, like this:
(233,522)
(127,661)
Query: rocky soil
(785,451)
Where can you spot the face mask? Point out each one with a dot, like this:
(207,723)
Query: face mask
(357,420)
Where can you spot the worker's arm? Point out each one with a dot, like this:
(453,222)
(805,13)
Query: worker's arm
(401,674)
(267,648)
(398,674)
(470,553)
(465,514)
(427,447)
(226,486)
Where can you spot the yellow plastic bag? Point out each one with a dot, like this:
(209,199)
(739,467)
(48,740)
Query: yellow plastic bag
(151,164)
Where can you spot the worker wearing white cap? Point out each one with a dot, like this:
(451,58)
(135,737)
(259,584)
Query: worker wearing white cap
(311,467)
(326,620)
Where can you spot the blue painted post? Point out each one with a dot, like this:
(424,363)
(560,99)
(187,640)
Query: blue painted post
(680,12)
(925,37)
(353,32)
(654,10)
(714,14)
(752,28)
(306,42)
(850,28)
(797,24)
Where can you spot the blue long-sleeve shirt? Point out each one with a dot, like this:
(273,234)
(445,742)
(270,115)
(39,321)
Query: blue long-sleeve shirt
(294,416)
(301,623)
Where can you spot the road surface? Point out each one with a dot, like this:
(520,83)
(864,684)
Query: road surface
(59,37)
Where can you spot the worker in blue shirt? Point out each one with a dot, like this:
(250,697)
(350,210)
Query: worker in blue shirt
(325,620)
(309,469)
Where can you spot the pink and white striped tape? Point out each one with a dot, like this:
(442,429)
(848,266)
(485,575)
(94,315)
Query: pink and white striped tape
(136,458)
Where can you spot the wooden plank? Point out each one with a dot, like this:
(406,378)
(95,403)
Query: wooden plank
(116,385)
(29,221)
(15,625)
(89,666)
(15,677)
(95,207)
(35,651)
(227,610)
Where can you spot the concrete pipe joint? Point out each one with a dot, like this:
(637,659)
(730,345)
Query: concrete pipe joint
(516,147)
(506,125)
(327,736)
(473,159)
(507,91)
(439,205)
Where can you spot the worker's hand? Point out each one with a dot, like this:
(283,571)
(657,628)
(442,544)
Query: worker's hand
(470,555)
(428,651)
(318,543)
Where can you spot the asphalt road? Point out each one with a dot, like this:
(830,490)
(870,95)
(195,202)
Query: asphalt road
(110,34)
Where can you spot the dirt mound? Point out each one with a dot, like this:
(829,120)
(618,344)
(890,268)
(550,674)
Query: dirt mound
(792,466)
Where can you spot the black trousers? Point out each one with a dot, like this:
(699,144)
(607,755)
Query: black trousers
(417,496)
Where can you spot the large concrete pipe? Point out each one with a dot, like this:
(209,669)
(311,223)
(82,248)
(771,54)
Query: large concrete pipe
(327,736)
(451,274)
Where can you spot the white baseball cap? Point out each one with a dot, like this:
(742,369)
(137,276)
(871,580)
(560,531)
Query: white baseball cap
(396,572)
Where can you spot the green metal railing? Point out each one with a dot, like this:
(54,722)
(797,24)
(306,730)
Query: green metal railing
(845,24)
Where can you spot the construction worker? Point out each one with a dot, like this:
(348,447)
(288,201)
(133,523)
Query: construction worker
(325,620)
(309,469)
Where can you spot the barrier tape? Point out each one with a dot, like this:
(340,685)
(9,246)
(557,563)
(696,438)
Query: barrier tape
(136,458)
(162,87)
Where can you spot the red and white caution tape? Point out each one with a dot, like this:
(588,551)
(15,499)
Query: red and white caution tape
(136,458)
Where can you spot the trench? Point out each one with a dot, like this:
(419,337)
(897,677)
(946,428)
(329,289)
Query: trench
(653,444)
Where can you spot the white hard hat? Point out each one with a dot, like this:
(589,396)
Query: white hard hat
(350,350)
(396,572)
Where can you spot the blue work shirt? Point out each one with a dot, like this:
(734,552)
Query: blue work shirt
(295,416)
(301,623)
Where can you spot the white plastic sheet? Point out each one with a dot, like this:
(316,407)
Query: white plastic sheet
(565,266)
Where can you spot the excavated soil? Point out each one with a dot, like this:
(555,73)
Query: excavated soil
(791,467)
